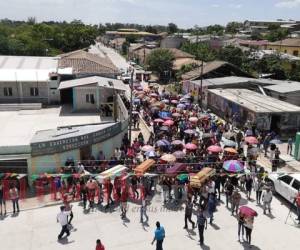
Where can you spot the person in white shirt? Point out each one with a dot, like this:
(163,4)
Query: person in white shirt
(80,168)
(267,198)
(62,218)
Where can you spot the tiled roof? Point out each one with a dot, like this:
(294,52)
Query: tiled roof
(293,42)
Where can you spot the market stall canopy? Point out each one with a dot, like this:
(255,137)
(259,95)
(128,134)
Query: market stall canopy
(142,168)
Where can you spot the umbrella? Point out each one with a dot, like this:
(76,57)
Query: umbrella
(181,106)
(253,151)
(168,123)
(168,158)
(167,118)
(207,135)
(193,119)
(147,148)
(183,177)
(177,142)
(251,140)
(164,128)
(204,117)
(214,149)
(233,166)
(191,146)
(158,120)
(154,109)
(150,153)
(174,101)
(190,131)
(153,95)
(275,141)
(179,154)
(248,211)
(230,150)
(135,112)
(165,101)
(228,143)
(162,142)
(156,104)
(176,114)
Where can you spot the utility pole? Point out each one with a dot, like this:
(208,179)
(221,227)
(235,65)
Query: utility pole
(201,81)
(130,109)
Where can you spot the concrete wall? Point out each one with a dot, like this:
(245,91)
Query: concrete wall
(79,99)
(285,49)
(293,98)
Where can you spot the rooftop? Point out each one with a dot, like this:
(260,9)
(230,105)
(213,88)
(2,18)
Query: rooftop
(25,75)
(254,101)
(18,127)
(292,42)
(285,87)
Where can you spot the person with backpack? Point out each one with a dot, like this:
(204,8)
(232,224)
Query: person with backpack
(202,224)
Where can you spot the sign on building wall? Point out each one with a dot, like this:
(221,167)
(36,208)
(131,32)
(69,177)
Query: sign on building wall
(71,143)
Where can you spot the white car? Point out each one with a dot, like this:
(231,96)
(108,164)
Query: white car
(286,184)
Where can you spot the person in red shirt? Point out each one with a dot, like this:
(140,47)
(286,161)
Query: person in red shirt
(124,197)
(297,201)
(99,245)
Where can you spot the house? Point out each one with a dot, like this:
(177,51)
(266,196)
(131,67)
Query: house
(117,43)
(263,25)
(182,58)
(249,107)
(29,79)
(86,64)
(289,46)
(141,35)
(215,69)
(138,52)
(172,42)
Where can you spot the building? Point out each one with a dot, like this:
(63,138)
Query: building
(140,35)
(29,79)
(249,107)
(87,64)
(288,46)
(253,44)
(263,25)
(214,69)
(287,91)
(138,52)
(172,42)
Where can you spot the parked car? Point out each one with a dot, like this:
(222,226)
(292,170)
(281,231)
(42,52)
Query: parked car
(285,184)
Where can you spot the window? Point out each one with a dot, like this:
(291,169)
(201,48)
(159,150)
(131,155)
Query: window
(89,98)
(286,178)
(34,91)
(7,91)
(296,53)
(296,184)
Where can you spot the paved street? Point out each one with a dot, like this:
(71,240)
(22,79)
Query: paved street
(37,230)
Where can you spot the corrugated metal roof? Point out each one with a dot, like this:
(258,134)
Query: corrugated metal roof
(28,62)
(254,101)
(100,81)
(25,75)
(286,87)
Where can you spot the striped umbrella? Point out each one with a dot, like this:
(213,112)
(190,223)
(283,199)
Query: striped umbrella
(233,166)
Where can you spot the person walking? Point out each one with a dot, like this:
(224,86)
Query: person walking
(99,245)
(62,218)
(202,224)
(248,184)
(267,199)
(188,214)
(248,227)
(144,209)
(14,196)
(258,186)
(211,207)
(2,199)
(235,201)
(290,146)
(159,236)
(241,227)
(228,191)
(123,202)
(297,201)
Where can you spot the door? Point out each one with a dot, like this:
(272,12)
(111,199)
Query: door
(85,153)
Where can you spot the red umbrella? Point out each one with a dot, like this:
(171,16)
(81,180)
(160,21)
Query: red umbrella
(214,149)
(158,120)
(251,140)
(191,146)
(247,211)
(168,123)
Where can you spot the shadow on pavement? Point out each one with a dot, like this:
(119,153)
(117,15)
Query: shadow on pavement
(65,241)
(247,246)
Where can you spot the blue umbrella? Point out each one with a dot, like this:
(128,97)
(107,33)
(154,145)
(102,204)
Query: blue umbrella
(181,106)
(228,143)
(162,143)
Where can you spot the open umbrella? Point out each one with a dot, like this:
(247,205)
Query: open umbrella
(168,123)
(181,106)
(207,135)
(248,211)
(179,154)
(230,150)
(168,158)
(191,146)
(193,119)
(228,143)
(275,141)
(158,120)
(214,149)
(146,148)
(233,166)
(204,116)
(189,131)
(153,95)
(162,143)
(150,153)
(176,114)
(177,142)
(174,101)
(251,140)
(253,151)
(164,128)
(165,101)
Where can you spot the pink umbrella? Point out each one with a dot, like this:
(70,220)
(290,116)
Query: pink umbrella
(158,120)
(214,149)
(174,101)
(153,95)
(251,140)
(248,211)
(193,119)
(191,146)
(168,123)
(167,118)
(147,148)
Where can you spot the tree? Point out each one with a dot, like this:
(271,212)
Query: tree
(233,27)
(232,54)
(151,29)
(161,62)
(277,34)
(215,30)
(172,28)
(201,51)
